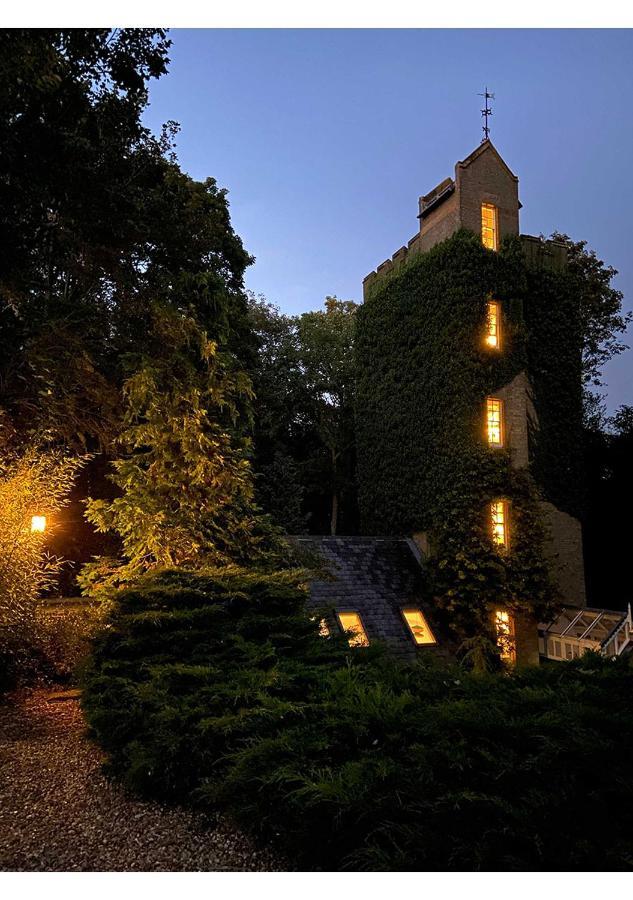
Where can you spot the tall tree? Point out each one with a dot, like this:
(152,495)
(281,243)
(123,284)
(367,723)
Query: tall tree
(97,222)
(602,319)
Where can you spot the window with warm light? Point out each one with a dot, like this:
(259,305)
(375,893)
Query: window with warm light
(504,628)
(493,325)
(489,229)
(418,626)
(499,516)
(352,625)
(38,524)
(494,421)
(324,630)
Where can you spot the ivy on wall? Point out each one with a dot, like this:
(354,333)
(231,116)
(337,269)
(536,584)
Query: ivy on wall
(424,372)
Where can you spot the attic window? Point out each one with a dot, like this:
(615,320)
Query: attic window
(418,626)
(352,625)
(504,628)
(489,226)
(494,421)
(499,520)
(493,325)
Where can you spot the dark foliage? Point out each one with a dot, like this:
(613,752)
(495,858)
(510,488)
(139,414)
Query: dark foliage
(608,456)
(217,691)
(424,374)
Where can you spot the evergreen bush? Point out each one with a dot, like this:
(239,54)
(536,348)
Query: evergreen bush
(217,690)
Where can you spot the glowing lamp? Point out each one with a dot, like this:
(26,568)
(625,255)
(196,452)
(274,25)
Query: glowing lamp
(38,524)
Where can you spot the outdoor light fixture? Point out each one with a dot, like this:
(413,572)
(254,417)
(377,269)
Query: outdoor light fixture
(38,524)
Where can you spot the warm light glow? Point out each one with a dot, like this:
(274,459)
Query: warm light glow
(493,330)
(38,523)
(324,631)
(499,515)
(504,627)
(494,421)
(489,226)
(351,623)
(418,626)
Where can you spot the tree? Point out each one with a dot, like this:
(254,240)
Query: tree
(185,482)
(602,319)
(303,382)
(326,356)
(97,223)
(35,482)
(102,235)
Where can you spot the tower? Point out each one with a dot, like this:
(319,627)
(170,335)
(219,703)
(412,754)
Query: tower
(469,405)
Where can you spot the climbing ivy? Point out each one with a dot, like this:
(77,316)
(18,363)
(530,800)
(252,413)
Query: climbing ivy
(424,373)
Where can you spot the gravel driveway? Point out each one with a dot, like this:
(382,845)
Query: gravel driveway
(59,813)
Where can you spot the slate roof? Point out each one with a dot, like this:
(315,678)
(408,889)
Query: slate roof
(375,577)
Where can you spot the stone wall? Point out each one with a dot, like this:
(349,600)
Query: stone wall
(518,412)
(485,178)
(564,552)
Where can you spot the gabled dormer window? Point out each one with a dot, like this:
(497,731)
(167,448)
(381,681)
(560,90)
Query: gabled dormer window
(494,421)
(493,325)
(489,226)
(352,625)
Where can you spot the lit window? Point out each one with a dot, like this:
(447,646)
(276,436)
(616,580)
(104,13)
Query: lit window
(418,626)
(489,226)
(351,624)
(494,421)
(38,523)
(324,631)
(504,627)
(499,516)
(493,329)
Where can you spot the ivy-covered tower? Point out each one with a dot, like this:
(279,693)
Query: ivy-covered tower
(469,408)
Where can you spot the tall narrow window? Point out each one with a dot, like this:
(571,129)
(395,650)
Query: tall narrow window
(489,229)
(504,628)
(494,421)
(499,516)
(352,625)
(493,325)
(418,626)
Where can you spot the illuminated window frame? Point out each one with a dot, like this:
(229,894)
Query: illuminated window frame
(420,631)
(499,523)
(490,226)
(495,424)
(505,635)
(493,325)
(354,631)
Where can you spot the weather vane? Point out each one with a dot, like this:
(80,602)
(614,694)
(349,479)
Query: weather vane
(486,111)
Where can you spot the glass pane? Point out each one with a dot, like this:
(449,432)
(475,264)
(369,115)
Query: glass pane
(418,625)
(353,627)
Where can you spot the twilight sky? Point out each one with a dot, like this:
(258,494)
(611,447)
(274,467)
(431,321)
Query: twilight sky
(326,138)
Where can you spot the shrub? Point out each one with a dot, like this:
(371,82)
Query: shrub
(34,482)
(218,691)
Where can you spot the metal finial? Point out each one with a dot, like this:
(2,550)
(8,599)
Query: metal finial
(486,111)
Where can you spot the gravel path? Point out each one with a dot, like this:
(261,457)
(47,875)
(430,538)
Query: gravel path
(59,813)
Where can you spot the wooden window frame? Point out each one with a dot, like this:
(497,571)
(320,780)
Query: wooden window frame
(346,631)
(506,524)
(417,609)
(495,226)
(497,311)
(502,436)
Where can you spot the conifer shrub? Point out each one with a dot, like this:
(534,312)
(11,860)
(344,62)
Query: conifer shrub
(216,690)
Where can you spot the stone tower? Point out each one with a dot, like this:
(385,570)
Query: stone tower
(482,198)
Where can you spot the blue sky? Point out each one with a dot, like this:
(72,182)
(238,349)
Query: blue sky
(326,138)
